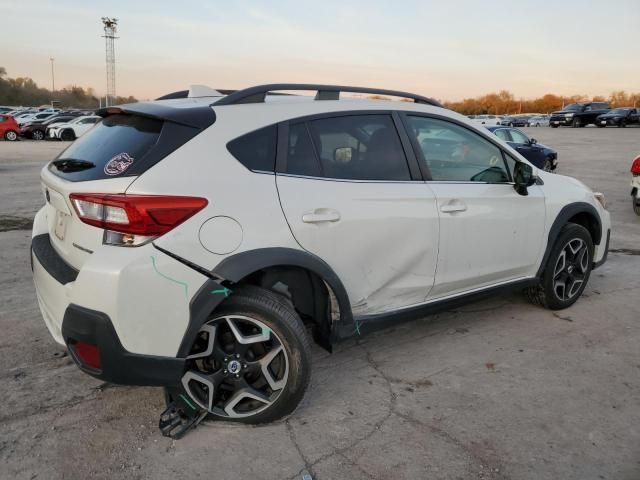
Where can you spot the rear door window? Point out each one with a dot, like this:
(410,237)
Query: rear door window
(110,149)
(359,147)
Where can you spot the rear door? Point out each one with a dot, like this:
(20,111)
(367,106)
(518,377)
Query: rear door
(489,234)
(352,197)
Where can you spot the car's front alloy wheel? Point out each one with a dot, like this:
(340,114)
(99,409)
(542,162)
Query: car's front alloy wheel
(251,361)
(571,269)
(566,271)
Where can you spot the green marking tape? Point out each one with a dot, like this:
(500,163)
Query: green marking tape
(224,290)
(266,330)
(188,402)
(358,327)
(186,287)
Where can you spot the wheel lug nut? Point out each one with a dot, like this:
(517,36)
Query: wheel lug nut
(244,365)
(237,375)
(224,371)
(226,359)
(237,355)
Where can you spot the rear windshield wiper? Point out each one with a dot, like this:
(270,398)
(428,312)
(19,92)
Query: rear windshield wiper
(73,165)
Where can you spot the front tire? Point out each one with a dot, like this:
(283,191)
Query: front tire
(576,123)
(11,136)
(566,271)
(67,135)
(251,362)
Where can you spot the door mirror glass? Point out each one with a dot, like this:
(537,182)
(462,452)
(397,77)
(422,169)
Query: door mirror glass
(343,154)
(523,177)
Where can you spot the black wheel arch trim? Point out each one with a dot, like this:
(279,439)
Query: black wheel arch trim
(237,267)
(563,217)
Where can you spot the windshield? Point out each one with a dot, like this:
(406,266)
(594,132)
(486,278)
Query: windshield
(574,107)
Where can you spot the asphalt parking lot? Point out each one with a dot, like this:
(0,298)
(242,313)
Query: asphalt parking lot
(496,390)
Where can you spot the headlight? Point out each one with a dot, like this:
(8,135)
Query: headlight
(568,115)
(599,196)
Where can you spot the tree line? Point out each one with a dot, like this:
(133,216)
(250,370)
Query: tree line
(504,102)
(23,91)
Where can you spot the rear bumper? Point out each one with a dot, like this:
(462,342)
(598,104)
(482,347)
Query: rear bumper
(117,365)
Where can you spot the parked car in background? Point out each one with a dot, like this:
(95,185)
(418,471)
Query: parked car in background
(33,117)
(619,117)
(37,130)
(538,154)
(538,121)
(635,184)
(578,115)
(487,119)
(9,128)
(73,129)
(515,121)
(6,109)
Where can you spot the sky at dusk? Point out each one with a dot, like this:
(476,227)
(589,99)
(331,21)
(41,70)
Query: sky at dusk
(444,49)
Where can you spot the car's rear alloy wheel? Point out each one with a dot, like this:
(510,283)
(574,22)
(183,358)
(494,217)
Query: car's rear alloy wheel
(37,135)
(566,271)
(250,362)
(10,135)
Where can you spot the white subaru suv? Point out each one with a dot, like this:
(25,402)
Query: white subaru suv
(196,242)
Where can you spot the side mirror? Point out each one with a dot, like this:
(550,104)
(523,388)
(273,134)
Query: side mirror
(523,178)
(533,141)
(343,154)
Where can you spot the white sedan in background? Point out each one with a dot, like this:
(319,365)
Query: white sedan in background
(73,129)
(487,119)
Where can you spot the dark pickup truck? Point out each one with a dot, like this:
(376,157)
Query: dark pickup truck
(578,114)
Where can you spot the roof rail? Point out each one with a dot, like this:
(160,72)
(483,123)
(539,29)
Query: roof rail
(258,93)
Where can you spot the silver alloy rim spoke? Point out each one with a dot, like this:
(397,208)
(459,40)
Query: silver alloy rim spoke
(204,379)
(559,269)
(240,395)
(211,338)
(264,366)
(260,337)
(573,289)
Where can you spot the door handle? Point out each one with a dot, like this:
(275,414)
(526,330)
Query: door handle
(320,215)
(453,206)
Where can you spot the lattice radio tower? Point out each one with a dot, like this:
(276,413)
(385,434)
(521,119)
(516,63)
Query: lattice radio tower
(110,27)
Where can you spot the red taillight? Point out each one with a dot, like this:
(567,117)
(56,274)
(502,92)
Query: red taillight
(148,215)
(635,166)
(87,354)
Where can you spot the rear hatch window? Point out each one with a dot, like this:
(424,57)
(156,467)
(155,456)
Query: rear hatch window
(115,147)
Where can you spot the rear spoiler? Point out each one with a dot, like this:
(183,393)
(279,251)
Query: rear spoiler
(200,116)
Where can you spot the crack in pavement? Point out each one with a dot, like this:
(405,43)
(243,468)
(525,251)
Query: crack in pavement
(495,466)
(292,436)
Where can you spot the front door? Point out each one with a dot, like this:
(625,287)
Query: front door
(489,234)
(349,198)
